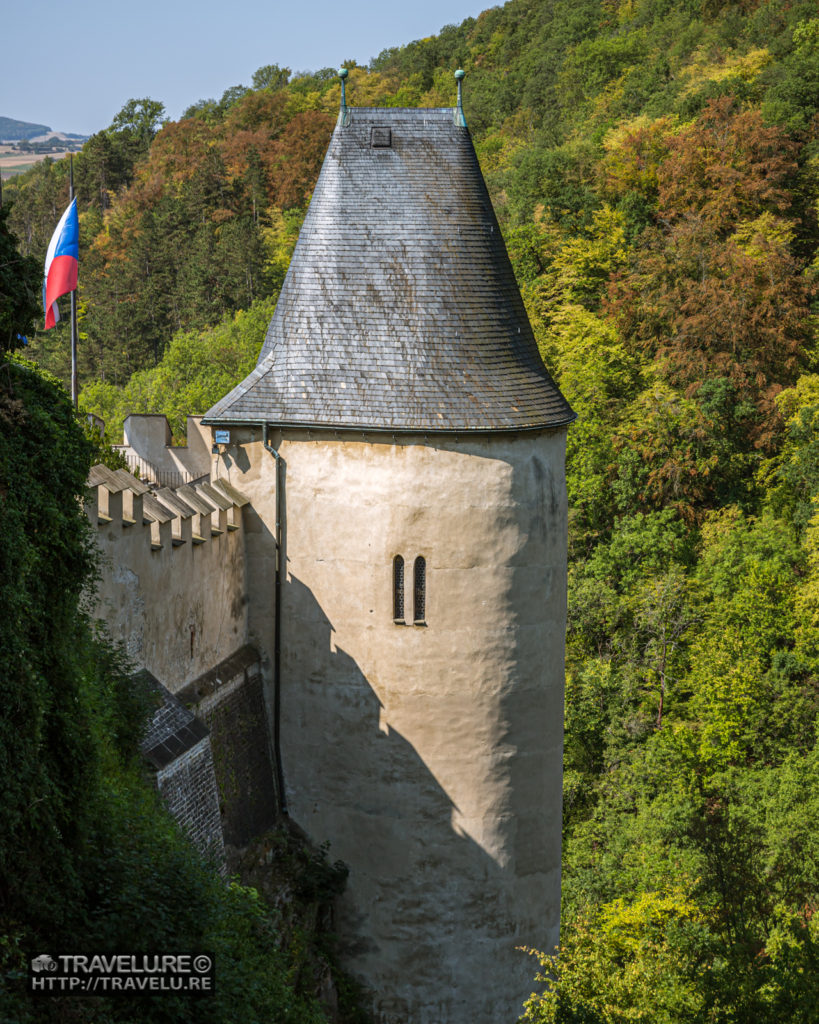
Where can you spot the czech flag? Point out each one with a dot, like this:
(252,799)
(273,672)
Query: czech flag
(61,263)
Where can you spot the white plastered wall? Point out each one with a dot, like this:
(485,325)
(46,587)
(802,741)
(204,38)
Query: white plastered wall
(179,609)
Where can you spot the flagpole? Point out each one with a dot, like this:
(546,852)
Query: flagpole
(74,390)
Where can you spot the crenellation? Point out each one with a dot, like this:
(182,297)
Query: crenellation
(223,506)
(160,520)
(133,493)
(133,512)
(203,511)
(173,593)
(185,534)
(92,505)
(233,511)
(183,515)
(111,505)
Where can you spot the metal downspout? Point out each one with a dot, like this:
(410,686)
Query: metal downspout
(277,627)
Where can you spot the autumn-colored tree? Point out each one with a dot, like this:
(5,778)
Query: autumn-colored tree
(176,153)
(710,310)
(257,111)
(727,167)
(297,156)
(713,290)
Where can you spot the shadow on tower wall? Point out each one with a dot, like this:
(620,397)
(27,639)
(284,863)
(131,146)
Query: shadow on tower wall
(430,921)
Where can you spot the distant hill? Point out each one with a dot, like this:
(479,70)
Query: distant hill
(13,131)
(57,137)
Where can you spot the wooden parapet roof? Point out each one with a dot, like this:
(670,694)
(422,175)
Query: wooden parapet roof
(110,479)
(195,500)
(156,510)
(174,516)
(219,498)
(171,500)
(235,496)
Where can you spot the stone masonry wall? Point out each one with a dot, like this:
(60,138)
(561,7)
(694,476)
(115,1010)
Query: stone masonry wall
(177,745)
(188,787)
(172,588)
(230,700)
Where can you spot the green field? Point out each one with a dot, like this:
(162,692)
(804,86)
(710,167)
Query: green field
(10,172)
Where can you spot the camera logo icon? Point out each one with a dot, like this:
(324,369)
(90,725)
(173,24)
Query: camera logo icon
(44,962)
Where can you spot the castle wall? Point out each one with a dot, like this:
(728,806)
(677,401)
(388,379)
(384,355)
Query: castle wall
(172,588)
(176,598)
(430,756)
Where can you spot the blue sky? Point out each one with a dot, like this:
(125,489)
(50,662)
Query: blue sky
(73,65)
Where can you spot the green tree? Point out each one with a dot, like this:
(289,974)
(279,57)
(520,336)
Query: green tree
(140,119)
(20,279)
(88,858)
(792,97)
(271,76)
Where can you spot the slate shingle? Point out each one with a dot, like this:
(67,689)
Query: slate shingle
(400,310)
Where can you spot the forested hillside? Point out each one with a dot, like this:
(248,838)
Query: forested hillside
(12,130)
(655,168)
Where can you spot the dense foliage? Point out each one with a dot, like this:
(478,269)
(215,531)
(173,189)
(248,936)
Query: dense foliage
(655,167)
(19,283)
(85,847)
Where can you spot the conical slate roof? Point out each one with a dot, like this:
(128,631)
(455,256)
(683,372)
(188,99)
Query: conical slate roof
(400,310)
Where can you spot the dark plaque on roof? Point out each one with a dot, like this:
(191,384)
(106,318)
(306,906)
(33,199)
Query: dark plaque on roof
(380,138)
(400,310)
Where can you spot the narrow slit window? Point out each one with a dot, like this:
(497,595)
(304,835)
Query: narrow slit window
(398,588)
(420,589)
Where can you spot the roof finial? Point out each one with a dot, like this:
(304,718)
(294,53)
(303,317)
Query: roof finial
(460,120)
(343,114)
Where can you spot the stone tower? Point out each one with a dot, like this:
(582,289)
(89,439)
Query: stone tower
(402,441)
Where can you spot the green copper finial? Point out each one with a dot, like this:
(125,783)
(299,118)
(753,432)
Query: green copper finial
(460,120)
(343,114)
